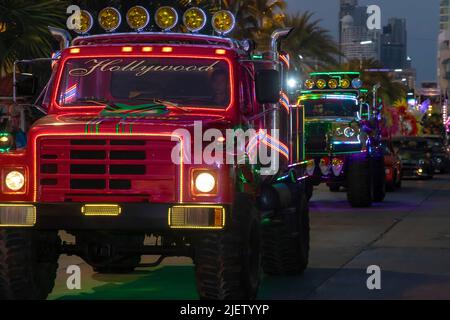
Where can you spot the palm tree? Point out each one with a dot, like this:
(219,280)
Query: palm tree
(25,34)
(390,90)
(309,45)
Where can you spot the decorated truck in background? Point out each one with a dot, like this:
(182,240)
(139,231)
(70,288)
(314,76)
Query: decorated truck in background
(115,157)
(343,136)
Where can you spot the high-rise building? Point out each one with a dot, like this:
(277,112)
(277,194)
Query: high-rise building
(355,39)
(443,71)
(394,45)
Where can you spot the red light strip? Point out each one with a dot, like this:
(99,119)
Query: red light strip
(63,62)
(78,134)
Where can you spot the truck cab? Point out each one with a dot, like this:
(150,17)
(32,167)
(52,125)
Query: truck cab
(180,137)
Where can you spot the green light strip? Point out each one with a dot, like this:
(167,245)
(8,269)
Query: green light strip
(335,73)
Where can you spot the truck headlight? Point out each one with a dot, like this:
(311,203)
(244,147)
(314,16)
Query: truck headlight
(6,142)
(15,180)
(349,132)
(204,182)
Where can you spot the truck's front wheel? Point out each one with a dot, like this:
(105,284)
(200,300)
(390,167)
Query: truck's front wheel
(228,264)
(359,182)
(286,242)
(28,263)
(379,180)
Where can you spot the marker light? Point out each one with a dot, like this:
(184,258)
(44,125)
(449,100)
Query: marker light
(166,18)
(345,83)
(309,84)
(86,22)
(14,180)
(220,51)
(333,84)
(321,83)
(205,182)
(138,18)
(357,83)
(223,22)
(127,49)
(194,19)
(109,19)
(75,50)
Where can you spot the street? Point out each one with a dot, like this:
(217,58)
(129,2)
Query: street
(407,236)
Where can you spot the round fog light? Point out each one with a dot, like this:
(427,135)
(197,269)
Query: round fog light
(205,182)
(15,180)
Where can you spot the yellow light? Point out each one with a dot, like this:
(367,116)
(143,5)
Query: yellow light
(167,49)
(223,22)
(166,18)
(196,217)
(321,83)
(147,49)
(15,180)
(109,19)
(4,139)
(333,83)
(345,83)
(309,84)
(86,22)
(194,19)
(220,51)
(101,210)
(75,50)
(17,215)
(2,27)
(127,49)
(138,18)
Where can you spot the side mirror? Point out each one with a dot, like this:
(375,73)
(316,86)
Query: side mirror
(365,111)
(268,86)
(26,84)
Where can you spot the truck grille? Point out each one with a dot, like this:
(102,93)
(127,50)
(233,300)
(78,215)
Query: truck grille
(316,137)
(106,169)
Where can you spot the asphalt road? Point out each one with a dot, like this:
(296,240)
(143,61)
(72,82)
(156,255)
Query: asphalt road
(407,236)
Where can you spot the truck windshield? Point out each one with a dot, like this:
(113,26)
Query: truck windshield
(330,108)
(134,81)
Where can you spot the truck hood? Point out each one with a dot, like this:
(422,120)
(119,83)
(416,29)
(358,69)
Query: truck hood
(95,124)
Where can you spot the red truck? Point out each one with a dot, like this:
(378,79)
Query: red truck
(113,160)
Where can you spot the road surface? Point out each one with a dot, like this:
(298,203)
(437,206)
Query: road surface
(408,237)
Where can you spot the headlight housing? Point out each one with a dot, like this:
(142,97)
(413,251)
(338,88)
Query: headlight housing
(204,183)
(138,18)
(194,19)
(14,181)
(349,132)
(109,19)
(6,142)
(166,18)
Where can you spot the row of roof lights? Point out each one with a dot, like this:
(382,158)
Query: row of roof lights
(166,18)
(147,49)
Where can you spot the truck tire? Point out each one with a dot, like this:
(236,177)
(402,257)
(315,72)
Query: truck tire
(309,190)
(286,242)
(28,263)
(379,180)
(228,263)
(359,182)
(101,250)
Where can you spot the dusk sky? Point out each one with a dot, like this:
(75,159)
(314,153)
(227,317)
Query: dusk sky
(422,23)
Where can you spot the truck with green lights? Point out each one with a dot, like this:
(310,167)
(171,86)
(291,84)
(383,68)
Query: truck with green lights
(343,139)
